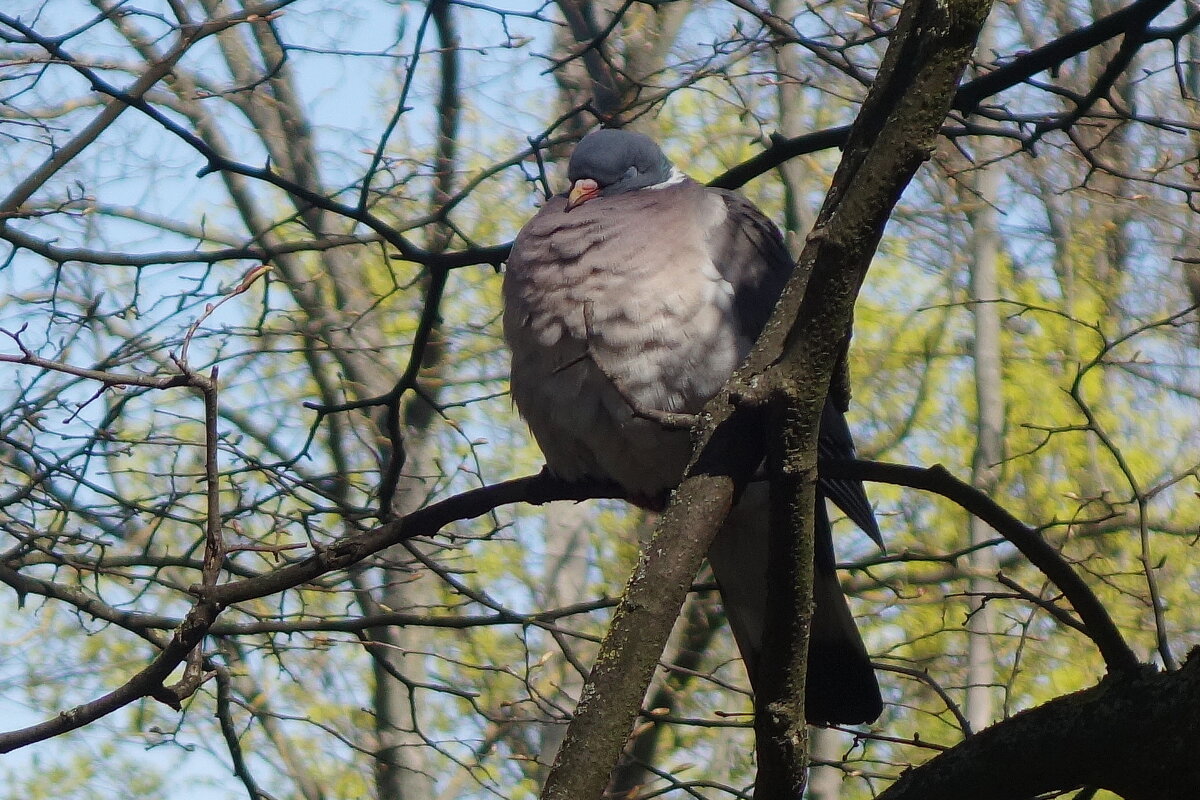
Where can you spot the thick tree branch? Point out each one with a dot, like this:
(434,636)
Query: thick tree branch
(891,138)
(894,134)
(1109,736)
(537,489)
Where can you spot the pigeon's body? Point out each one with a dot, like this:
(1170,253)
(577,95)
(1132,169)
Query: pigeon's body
(645,279)
(581,302)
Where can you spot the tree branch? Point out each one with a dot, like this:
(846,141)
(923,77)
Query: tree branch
(1100,627)
(1110,736)
(971,95)
(892,136)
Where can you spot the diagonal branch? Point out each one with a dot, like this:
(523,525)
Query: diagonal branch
(1099,625)
(892,136)
(147,682)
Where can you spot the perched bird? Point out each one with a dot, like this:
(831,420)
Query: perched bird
(641,289)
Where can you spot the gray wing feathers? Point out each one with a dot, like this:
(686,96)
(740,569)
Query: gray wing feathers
(834,442)
(750,254)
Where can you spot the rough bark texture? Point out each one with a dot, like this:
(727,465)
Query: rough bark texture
(613,695)
(1109,736)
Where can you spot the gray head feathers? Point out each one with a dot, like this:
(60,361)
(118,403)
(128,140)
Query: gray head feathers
(618,161)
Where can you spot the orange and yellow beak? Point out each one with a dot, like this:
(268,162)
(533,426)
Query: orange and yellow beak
(582,190)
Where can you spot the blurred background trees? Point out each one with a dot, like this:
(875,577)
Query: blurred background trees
(1029,323)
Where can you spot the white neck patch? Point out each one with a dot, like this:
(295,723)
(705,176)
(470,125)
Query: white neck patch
(676,177)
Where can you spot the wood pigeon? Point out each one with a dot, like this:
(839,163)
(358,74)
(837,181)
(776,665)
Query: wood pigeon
(641,277)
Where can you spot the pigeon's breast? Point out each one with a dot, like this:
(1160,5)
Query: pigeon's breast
(614,307)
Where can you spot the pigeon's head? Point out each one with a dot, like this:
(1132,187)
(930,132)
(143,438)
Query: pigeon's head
(610,161)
